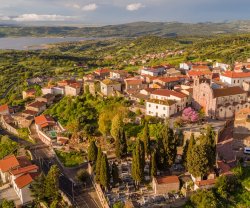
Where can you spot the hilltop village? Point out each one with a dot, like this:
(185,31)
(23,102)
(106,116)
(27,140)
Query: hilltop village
(149,138)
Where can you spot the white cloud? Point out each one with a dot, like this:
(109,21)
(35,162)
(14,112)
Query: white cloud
(4,18)
(134,7)
(89,7)
(76,6)
(43,17)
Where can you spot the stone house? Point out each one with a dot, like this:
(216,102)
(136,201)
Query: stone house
(31,93)
(109,87)
(166,184)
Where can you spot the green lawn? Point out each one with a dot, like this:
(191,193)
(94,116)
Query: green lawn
(71,159)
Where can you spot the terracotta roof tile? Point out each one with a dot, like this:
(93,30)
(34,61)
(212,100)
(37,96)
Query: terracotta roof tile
(4,107)
(44,119)
(24,170)
(23,181)
(205,182)
(8,163)
(167,179)
(165,92)
(221,92)
(169,79)
(232,74)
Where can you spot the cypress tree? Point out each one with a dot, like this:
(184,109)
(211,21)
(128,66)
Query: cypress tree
(115,173)
(38,188)
(153,167)
(189,157)
(52,183)
(170,145)
(138,162)
(146,139)
(121,144)
(92,152)
(98,165)
(160,155)
(104,172)
(184,154)
(200,162)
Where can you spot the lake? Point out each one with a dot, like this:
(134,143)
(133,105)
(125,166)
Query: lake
(34,43)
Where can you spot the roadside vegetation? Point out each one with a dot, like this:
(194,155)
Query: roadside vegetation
(71,159)
(7,146)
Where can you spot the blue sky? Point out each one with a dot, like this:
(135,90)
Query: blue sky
(123,11)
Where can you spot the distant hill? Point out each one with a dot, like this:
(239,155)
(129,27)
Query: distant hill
(164,29)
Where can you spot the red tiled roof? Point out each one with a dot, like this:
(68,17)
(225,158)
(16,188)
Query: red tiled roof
(24,170)
(169,79)
(167,179)
(66,82)
(232,74)
(75,85)
(205,182)
(165,92)
(43,119)
(221,92)
(8,163)
(30,112)
(37,104)
(4,107)
(200,68)
(102,71)
(133,81)
(23,181)
(150,90)
(198,73)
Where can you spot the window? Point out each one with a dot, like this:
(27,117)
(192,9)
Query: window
(164,115)
(149,105)
(234,81)
(164,108)
(156,107)
(221,110)
(230,108)
(238,81)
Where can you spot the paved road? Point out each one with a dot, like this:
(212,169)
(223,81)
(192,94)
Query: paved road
(7,90)
(77,193)
(80,196)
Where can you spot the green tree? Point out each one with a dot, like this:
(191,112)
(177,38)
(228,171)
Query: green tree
(160,155)
(200,161)
(115,173)
(105,172)
(98,165)
(170,145)
(138,162)
(121,144)
(52,183)
(7,204)
(38,188)
(104,124)
(146,139)
(184,154)
(118,205)
(153,166)
(116,126)
(204,199)
(82,175)
(92,152)
(189,155)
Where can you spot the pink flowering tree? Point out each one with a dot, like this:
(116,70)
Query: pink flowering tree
(190,115)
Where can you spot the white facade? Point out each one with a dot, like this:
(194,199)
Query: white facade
(160,110)
(222,66)
(185,66)
(109,89)
(72,91)
(234,81)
